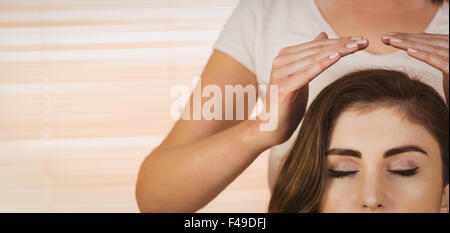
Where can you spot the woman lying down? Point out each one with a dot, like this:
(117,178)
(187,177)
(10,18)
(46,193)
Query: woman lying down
(372,141)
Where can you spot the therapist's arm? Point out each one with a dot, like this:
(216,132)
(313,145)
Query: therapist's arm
(199,158)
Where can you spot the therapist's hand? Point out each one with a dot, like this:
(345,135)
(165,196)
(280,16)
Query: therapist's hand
(294,68)
(432,49)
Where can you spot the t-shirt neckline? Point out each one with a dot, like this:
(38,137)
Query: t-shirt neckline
(324,23)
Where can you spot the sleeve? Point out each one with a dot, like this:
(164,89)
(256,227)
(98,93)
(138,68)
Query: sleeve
(237,38)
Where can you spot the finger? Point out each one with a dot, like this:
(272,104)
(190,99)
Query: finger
(434,41)
(301,79)
(439,62)
(321,36)
(287,59)
(419,35)
(431,41)
(405,44)
(303,46)
(296,62)
(323,61)
(444,43)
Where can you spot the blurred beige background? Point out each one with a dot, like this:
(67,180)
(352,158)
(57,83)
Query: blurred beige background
(84,97)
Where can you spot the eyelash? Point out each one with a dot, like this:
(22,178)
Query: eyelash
(409,172)
(341,174)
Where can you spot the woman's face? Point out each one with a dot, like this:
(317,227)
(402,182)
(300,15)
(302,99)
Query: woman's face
(378,161)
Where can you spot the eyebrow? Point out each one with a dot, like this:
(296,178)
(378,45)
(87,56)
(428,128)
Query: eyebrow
(389,153)
(344,152)
(403,149)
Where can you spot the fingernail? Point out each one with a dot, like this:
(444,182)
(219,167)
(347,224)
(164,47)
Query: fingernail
(361,41)
(389,33)
(396,40)
(334,55)
(411,50)
(351,45)
(385,37)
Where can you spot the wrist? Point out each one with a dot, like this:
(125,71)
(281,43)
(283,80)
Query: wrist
(252,134)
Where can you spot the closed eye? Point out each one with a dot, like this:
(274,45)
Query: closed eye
(340,174)
(409,172)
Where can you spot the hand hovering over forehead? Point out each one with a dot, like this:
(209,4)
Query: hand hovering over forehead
(432,49)
(292,70)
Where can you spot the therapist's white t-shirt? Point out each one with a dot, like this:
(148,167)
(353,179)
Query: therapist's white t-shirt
(259,29)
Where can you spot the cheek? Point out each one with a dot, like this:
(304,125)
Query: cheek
(414,194)
(337,197)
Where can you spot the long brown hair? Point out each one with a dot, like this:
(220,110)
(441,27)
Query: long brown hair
(300,183)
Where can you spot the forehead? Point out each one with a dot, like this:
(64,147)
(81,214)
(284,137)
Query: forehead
(379,129)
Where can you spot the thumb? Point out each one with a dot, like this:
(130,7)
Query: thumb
(321,36)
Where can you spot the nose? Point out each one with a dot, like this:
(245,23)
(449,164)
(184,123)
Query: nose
(372,196)
(372,204)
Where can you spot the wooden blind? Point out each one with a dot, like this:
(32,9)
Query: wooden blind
(85,96)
